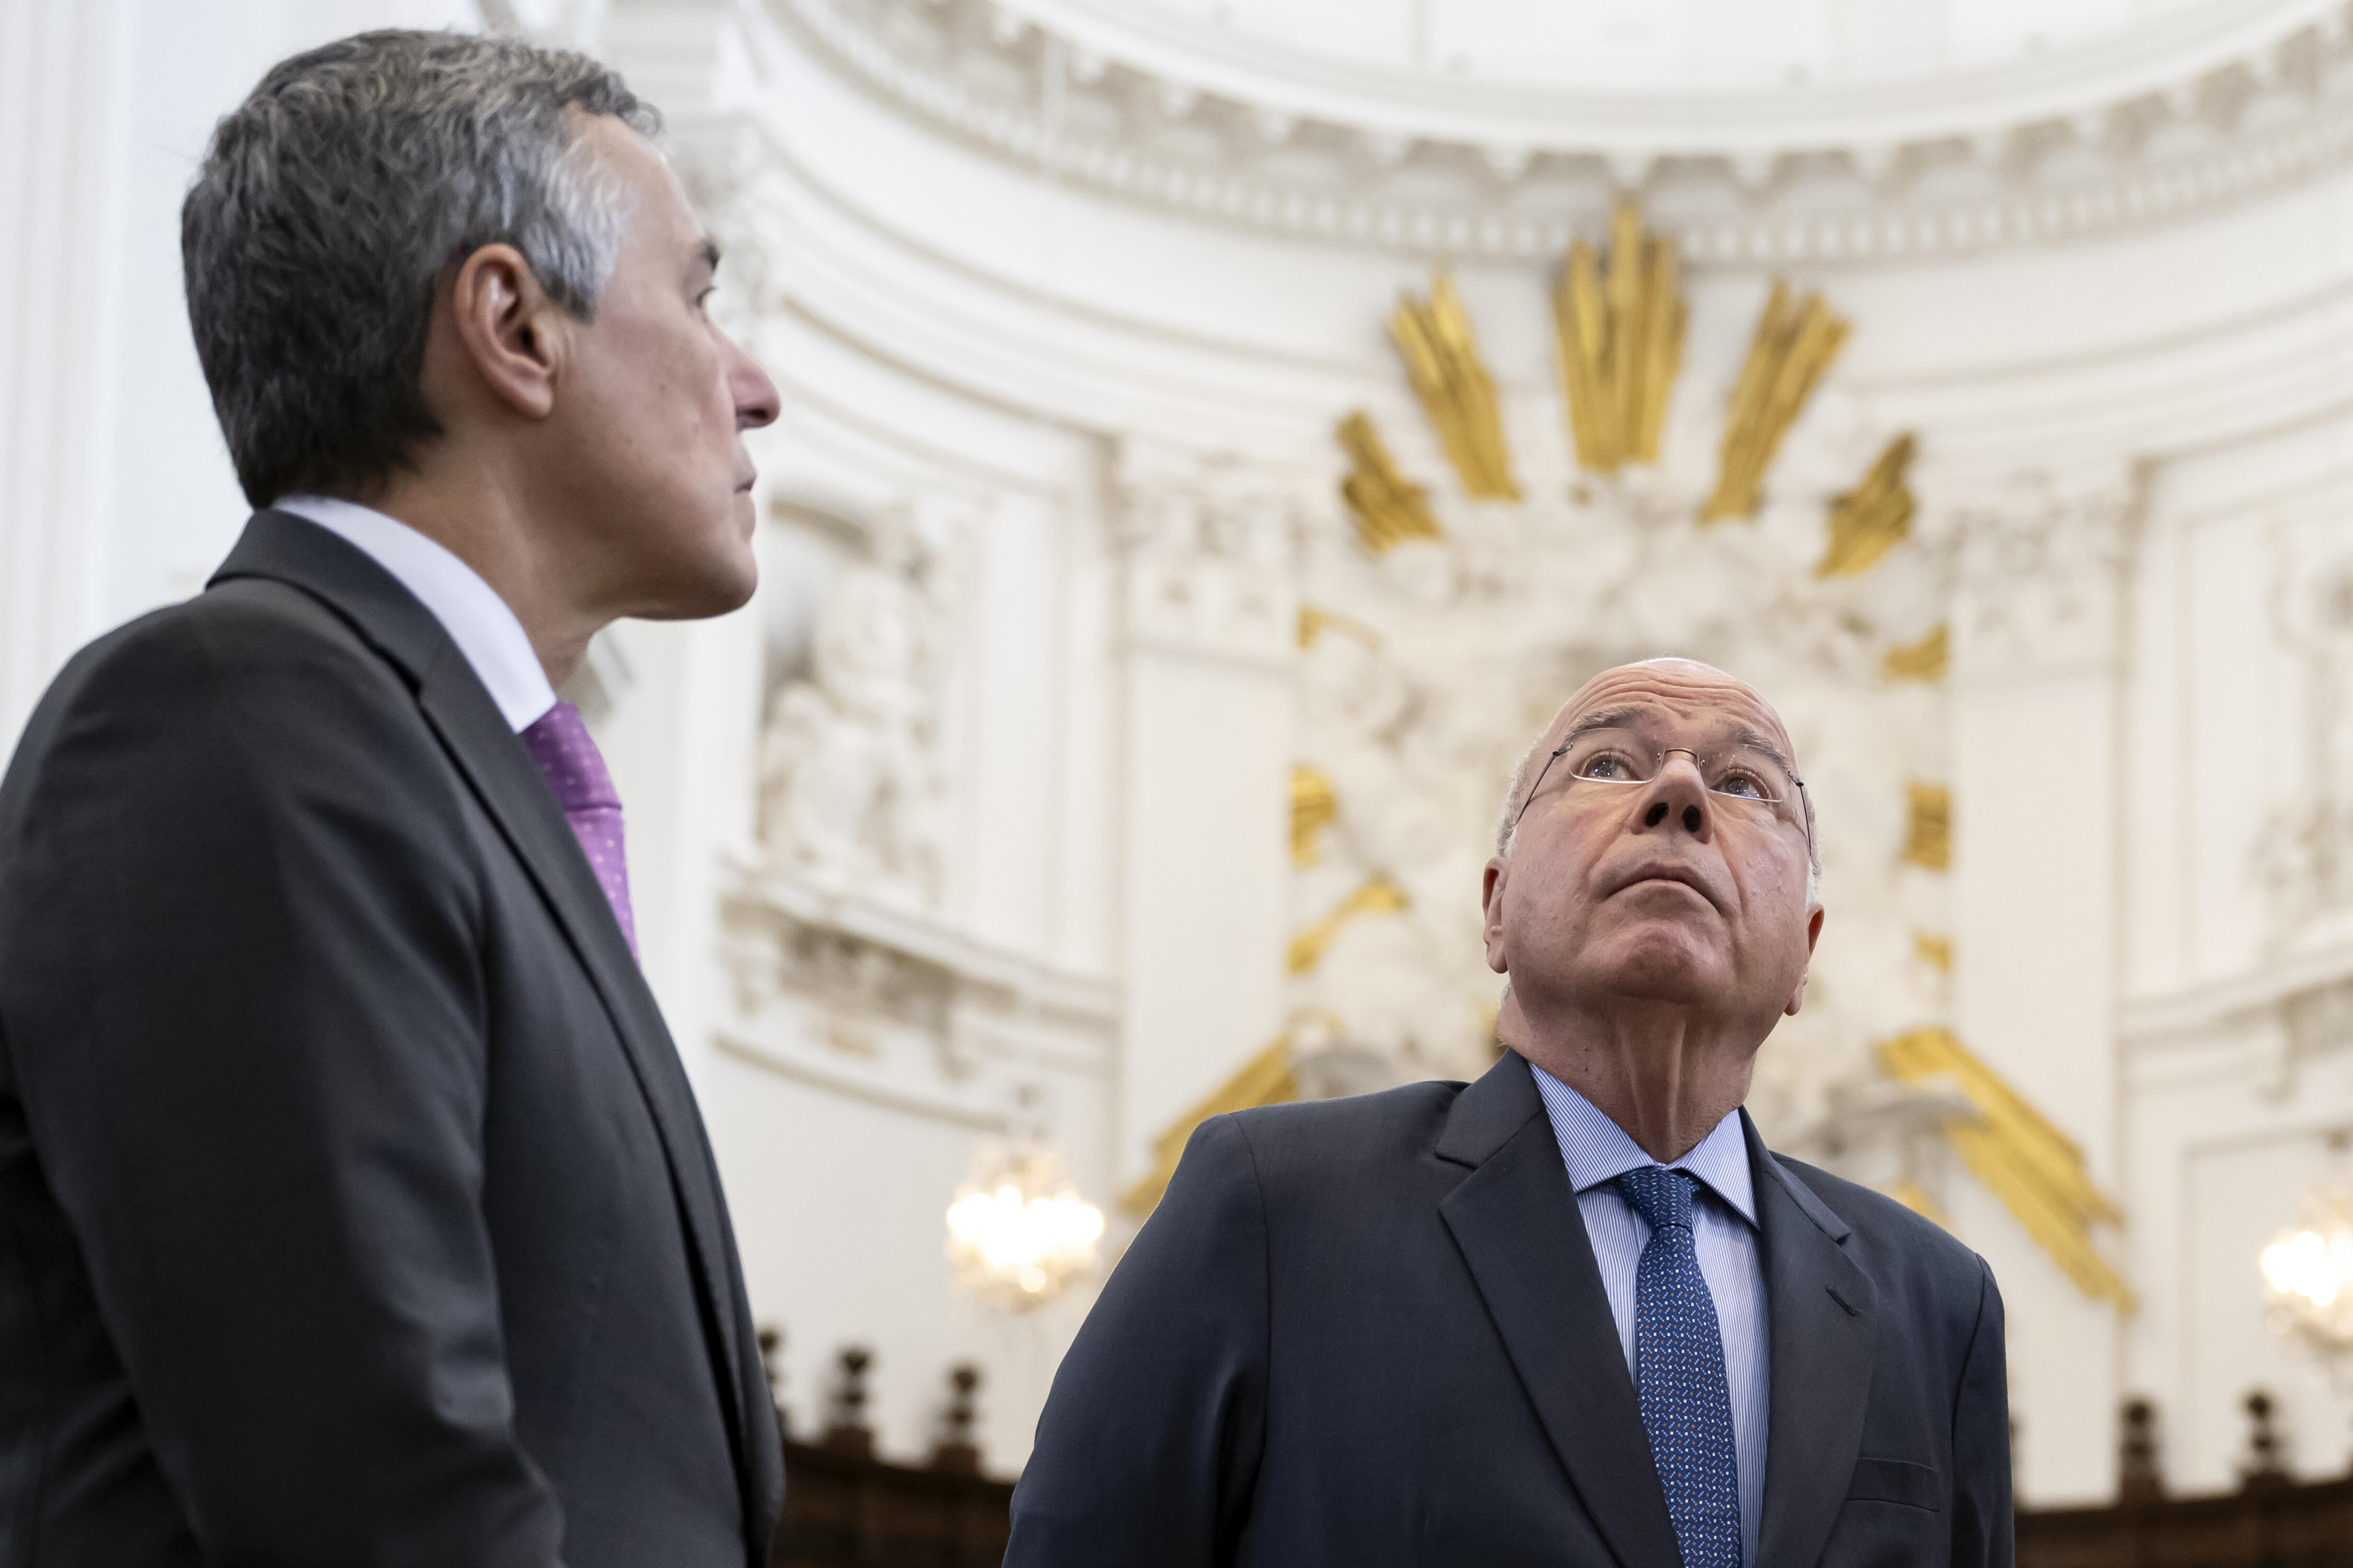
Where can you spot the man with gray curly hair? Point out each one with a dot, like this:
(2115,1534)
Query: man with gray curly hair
(357,1208)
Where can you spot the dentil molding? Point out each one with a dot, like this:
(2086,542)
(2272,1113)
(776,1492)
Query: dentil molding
(2167,122)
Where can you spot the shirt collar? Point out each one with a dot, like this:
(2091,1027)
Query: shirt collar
(1597,1149)
(480,622)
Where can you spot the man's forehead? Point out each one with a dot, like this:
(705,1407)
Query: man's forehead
(654,188)
(1677,691)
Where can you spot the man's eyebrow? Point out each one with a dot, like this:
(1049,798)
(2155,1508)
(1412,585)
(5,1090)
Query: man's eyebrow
(1744,736)
(1607,719)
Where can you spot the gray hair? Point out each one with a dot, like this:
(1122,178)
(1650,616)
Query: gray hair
(1507,824)
(332,202)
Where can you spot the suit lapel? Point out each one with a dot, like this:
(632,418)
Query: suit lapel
(1820,1312)
(515,795)
(1517,1224)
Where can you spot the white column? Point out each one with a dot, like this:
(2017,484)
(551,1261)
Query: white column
(64,118)
(1212,623)
(2036,827)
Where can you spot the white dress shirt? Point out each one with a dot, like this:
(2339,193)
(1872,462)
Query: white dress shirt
(485,630)
(1596,1151)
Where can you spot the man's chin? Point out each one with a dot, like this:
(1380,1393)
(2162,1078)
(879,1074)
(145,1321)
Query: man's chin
(1659,962)
(719,587)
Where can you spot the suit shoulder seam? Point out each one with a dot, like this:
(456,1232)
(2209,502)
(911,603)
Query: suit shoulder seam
(1266,1228)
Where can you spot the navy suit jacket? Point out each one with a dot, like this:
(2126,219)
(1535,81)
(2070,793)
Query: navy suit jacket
(1370,1332)
(354,1204)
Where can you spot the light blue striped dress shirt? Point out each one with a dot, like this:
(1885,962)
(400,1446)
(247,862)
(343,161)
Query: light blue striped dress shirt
(1596,1151)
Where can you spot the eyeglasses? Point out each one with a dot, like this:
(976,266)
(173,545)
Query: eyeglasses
(1744,778)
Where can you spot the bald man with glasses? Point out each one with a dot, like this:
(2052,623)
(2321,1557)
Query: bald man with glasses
(1576,1312)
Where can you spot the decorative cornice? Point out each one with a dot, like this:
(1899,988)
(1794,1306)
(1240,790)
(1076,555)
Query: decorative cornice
(2170,53)
(2160,153)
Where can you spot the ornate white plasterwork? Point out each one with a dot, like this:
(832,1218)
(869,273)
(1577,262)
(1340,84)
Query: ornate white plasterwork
(2042,576)
(1534,86)
(2303,849)
(853,787)
(2244,116)
(859,997)
(1209,547)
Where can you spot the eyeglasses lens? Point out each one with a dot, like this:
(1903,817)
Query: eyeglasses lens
(1744,774)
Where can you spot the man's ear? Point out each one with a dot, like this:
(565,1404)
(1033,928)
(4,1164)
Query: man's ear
(1813,935)
(507,331)
(1490,902)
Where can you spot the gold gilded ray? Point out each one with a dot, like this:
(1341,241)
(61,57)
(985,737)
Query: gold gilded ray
(1265,1079)
(1315,621)
(1441,361)
(1377,897)
(1793,346)
(1871,518)
(1315,806)
(1621,342)
(1935,951)
(1928,838)
(1387,507)
(1922,660)
(2032,1167)
(1916,1197)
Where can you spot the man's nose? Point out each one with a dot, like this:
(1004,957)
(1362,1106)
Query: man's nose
(757,402)
(1678,794)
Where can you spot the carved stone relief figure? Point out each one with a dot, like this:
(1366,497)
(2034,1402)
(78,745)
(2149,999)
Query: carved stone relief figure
(852,786)
(2305,850)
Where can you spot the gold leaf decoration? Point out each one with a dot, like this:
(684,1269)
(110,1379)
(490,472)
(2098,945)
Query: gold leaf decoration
(1441,361)
(1935,951)
(1793,346)
(1914,1196)
(1928,842)
(1621,342)
(1387,508)
(1377,897)
(1265,1079)
(1871,518)
(1924,661)
(1314,808)
(1315,621)
(2033,1168)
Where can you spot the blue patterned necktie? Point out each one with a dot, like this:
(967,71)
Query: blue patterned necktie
(1679,1374)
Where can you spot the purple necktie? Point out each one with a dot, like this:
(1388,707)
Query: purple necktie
(558,740)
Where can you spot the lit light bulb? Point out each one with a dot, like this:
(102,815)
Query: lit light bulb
(2309,1272)
(1019,1234)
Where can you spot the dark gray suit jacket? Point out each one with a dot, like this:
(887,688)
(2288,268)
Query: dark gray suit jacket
(354,1205)
(1370,1332)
